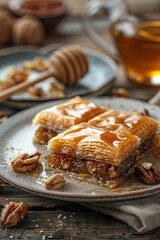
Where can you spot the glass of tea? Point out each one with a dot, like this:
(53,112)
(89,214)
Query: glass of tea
(137,40)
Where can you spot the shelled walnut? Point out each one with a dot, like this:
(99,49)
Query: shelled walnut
(4,84)
(36,92)
(13,213)
(17,75)
(56,89)
(120,92)
(148,173)
(55,181)
(37,64)
(25,162)
(56,86)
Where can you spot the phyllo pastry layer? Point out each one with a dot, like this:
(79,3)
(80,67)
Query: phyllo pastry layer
(106,155)
(85,142)
(60,117)
(137,124)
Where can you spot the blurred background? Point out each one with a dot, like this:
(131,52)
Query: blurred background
(64,17)
(42,23)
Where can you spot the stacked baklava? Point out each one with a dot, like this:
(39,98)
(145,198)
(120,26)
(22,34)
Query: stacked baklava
(94,141)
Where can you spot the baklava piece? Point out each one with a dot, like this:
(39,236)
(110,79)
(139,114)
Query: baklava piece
(58,118)
(105,155)
(137,124)
(106,148)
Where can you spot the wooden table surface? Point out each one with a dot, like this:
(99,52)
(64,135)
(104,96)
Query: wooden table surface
(49,219)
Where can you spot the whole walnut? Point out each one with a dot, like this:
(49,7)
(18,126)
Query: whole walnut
(5,27)
(28,30)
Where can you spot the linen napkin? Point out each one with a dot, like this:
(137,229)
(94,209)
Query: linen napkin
(142,214)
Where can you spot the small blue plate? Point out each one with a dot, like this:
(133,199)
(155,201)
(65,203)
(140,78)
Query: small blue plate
(99,79)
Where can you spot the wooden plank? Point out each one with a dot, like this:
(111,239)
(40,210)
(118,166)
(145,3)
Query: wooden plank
(64,225)
(9,193)
(50,219)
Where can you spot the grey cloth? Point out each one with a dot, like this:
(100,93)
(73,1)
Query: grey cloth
(141,214)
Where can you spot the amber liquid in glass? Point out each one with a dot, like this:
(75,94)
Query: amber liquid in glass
(139,47)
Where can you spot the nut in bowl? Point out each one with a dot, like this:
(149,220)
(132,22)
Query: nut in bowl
(50,12)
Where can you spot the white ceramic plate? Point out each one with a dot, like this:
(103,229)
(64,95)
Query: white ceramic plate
(100,77)
(16,137)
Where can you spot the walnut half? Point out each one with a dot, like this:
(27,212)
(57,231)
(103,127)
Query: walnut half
(12,213)
(120,92)
(148,173)
(55,181)
(18,75)
(37,64)
(25,162)
(36,91)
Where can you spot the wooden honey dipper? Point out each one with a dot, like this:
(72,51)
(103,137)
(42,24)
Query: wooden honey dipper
(67,65)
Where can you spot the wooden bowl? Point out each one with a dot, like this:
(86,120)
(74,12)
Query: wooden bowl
(50,12)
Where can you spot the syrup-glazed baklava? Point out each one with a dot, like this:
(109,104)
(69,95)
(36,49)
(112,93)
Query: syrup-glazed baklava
(58,118)
(106,148)
(137,124)
(109,156)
